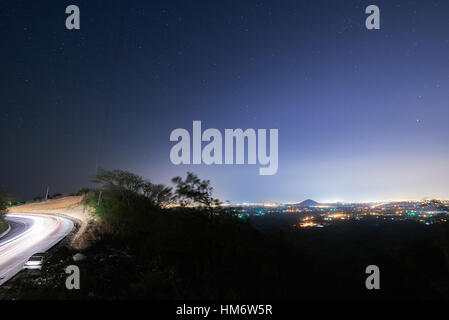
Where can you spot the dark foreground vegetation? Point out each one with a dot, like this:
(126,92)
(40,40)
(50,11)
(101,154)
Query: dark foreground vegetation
(146,248)
(3,206)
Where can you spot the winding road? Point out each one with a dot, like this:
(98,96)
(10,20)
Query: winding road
(29,234)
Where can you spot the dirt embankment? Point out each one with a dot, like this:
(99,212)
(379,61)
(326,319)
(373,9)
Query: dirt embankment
(71,207)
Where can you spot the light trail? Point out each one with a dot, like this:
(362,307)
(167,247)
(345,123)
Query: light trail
(29,234)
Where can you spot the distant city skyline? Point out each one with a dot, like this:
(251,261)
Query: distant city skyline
(325,202)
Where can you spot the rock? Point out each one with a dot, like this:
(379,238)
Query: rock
(79,257)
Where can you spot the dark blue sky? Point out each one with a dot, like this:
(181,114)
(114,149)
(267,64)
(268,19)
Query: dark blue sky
(362,115)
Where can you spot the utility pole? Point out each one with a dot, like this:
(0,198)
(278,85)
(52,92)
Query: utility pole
(99,198)
(46,195)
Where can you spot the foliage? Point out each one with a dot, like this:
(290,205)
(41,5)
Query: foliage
(119,180)
(6,200)
(194,191)
(3,200)
(127,186)
(158,193)
(83,191)
(38,198)
(196,256)
(145,250)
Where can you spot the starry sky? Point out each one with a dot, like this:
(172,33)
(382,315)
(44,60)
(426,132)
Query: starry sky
(362,114)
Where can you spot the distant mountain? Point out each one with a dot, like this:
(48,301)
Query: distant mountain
(308,203)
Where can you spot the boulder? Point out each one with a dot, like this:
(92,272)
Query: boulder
(79,257)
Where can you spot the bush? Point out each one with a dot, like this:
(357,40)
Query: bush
(3,205)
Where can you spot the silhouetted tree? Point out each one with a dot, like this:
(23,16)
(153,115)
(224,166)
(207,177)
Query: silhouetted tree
(119,180)
(159,194)
(128,185)
(3,201)
(194,191)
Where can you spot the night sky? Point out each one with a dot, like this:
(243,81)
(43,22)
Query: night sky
(362,114)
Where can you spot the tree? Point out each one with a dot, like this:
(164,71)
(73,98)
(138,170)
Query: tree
(194,191)
(128,184)
(119,180)
(159,194)
(3,201)
(3,206)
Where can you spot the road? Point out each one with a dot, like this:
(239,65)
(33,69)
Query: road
(29,234)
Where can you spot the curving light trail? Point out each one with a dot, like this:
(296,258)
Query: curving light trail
(29,234)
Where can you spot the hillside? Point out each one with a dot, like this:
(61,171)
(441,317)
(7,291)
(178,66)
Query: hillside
(308,203)
(71,206)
